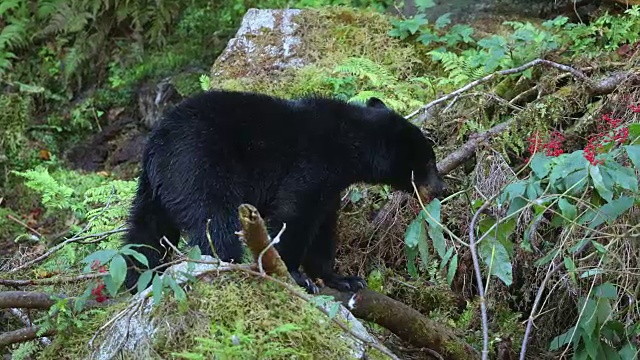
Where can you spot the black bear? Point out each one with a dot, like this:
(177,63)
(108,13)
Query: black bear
(291,159)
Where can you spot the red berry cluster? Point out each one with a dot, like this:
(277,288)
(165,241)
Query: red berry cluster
(552,146)
(609,130)
(634,108)
(97,292)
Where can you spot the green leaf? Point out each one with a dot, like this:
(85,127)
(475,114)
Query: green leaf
(591,345)
(541,165)
(628,352)
(634,133)
(599,247)
(443,20)
(446,258)
(604,310)
(194,253)
(453,267)
(562,340)
(435,228)
(177,290)
(606,290)
(633,152)
(568,210)
(423,5)
(118,270)
(156,289)
(571,268)
(611,211)
(547,258)
(494,254)
(415,233)
(566,165)
(591,272)
(137,255)
(615,174)
(588,320)
(605,192)
(144,279)
(101,255)
(411,261)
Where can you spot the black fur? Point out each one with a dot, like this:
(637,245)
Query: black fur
(289,158)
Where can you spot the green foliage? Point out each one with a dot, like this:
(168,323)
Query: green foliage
(604,34)
(416,242)
(358,79)
(598,333)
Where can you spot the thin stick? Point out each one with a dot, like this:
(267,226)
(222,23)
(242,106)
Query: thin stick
(575,72)
(52,281)
(11,217)
(552,270)
(476,266)
(60,246)
(275,240)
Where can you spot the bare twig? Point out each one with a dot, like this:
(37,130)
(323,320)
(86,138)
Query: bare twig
(11,217)
(604,86)
(51,281)
(476,266)
(552,270)
(60,246)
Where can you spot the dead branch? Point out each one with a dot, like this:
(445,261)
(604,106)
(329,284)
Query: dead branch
(255,235)
(405,322)
(51,281)
(45,341)
(22,335)
(60,246)
(25,299)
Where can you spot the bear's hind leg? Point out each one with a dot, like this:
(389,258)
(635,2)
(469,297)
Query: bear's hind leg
(319,259)
(149,221)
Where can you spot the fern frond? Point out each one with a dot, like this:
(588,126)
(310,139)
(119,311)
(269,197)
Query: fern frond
(362,68)
(13,36)
(7,5)
(67,20)
(46,8)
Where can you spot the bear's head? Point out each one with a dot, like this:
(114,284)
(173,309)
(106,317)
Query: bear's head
(412,159)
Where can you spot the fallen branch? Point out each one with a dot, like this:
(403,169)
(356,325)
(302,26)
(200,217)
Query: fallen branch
(22,335)
(45,341)
(602,87)
(404,321)
(38,300)
(60,246)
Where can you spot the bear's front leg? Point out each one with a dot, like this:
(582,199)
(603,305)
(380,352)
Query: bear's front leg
(301,223)
(319,259)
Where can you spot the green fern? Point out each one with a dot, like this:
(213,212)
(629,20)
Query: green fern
(364,68)
(458,67)
(13,36)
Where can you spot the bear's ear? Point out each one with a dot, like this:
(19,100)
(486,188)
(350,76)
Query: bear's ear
(374,102)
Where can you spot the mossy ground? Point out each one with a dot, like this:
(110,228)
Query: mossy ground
(232,316)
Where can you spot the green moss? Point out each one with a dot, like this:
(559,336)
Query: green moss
(73,343)
(267,322)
